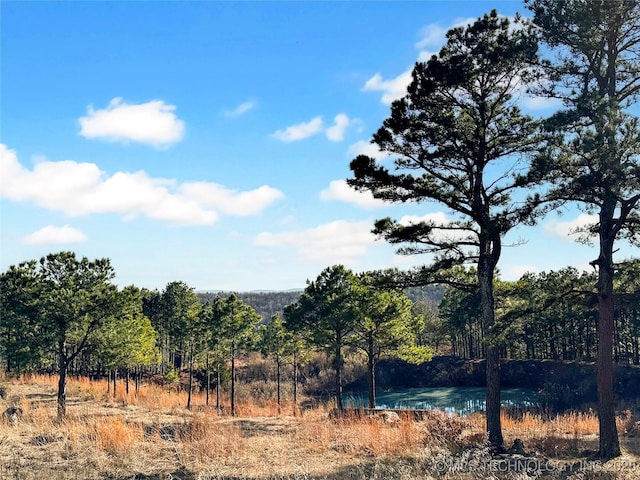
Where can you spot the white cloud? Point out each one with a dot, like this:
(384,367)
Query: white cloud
(367,148)
(231,202)
(299,131)
(335,133)
(434,37)
(532,102)
(567,230)
(517,271)
(392,89)
(153,123)
(240,109)
(82,189)
(341,191)
(336,242)
(51,234)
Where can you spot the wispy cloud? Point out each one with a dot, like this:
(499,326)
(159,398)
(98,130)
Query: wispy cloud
(335,133)
(339,190)
(300,131)
(433,37)
(78,189)
(517,271)
(367,148)
(153,123)
(240,109)
(55,235)
(335,242)
(570,230)
(392,89)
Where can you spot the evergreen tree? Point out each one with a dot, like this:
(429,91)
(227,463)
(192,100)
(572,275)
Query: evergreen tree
(326,315)
(595,156)
(459,138)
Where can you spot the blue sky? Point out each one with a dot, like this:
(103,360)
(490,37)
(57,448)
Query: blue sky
(208,142)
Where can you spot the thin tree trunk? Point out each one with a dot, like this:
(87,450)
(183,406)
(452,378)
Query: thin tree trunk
(295,385)
(278,383)
(338,370)
(208,382)
(233,379)
(190,385)
(218,389)
(371,366)
(609,444)
(62,386)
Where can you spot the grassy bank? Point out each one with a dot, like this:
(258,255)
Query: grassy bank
(150,435)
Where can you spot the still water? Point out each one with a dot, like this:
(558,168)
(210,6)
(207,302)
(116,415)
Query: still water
(459,400)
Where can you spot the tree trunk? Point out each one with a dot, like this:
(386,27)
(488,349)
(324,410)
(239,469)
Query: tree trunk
(208,382)
(127,381)
(295,385)
(338,369)
(62,386)
(371,366)
(233,379)
(278,383)
(486,267)
(115,380)
(190,383)
(609,444)
(218,389)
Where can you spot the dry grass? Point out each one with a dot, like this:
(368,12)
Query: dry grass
(151,435)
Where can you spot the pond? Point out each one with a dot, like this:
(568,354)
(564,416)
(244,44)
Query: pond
(459,400)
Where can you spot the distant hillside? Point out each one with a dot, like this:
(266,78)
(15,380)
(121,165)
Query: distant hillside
(265,303)
(268,303)
(431,294)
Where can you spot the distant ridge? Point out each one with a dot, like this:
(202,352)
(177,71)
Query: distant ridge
(251,291)
(269,302)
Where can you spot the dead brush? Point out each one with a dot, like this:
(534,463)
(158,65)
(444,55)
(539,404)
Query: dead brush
(113,435)
(444,430)
(357,435)
(206,438)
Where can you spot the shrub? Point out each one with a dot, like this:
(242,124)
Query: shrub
(4,390)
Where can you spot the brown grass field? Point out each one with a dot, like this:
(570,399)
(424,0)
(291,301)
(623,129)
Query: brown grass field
(152,436)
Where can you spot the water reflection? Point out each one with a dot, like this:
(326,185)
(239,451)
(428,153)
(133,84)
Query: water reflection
(459,400)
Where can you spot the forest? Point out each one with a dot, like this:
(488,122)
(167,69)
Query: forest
(458,138)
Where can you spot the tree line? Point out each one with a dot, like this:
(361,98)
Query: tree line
(547,315)
(64,315)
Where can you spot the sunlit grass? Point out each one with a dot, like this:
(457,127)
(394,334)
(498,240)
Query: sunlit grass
(150,432)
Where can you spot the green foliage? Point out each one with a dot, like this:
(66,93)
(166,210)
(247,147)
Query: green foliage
(325,315)
(24,342)
(235,322)
(66,301)
(171,376)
